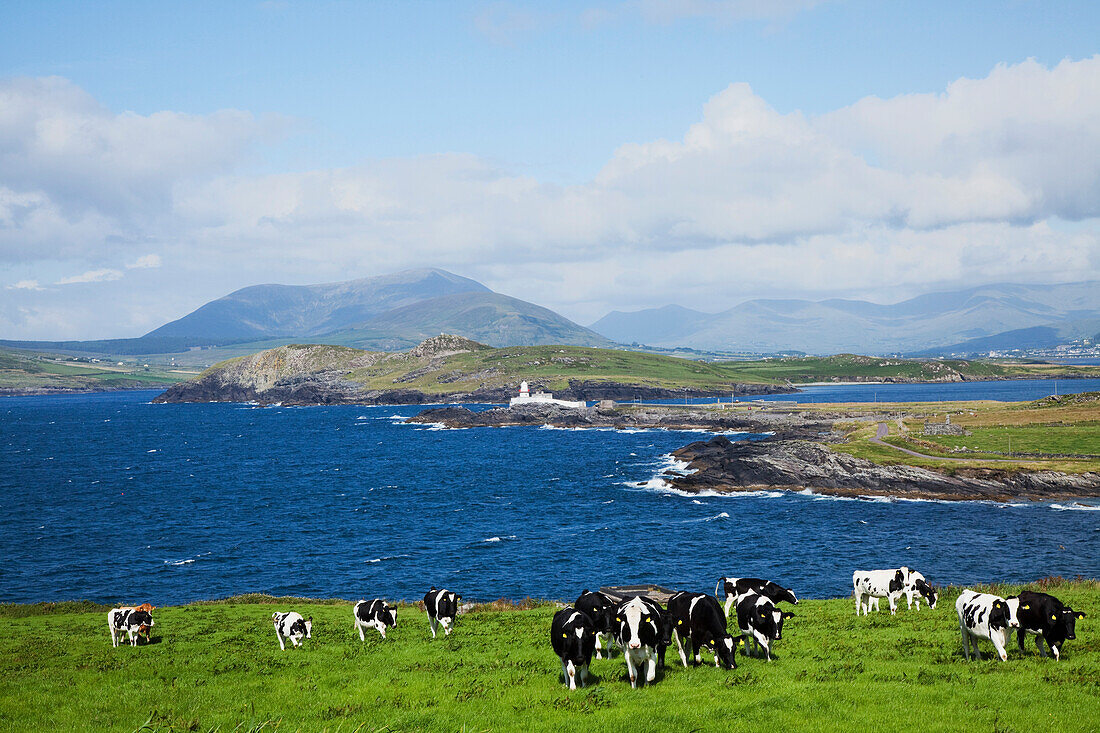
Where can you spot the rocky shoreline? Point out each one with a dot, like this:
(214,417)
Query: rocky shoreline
(670,417)
(331,388)
(724,466)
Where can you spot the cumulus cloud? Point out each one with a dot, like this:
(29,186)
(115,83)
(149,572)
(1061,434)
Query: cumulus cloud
(25,285)
(144,262)
(91,276)
(994,179)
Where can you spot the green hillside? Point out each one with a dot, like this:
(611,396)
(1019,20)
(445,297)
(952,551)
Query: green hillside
(23,371)
(218,667)
(851,367)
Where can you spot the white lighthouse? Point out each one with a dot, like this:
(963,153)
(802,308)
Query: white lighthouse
(541,398)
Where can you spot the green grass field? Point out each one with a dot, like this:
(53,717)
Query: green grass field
(218,667)
(30,371)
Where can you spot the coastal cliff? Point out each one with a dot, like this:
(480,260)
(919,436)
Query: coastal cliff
(722,465)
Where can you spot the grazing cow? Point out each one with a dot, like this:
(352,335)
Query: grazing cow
(872,584)
(442,609)
(375,614)
(1048,618)
(664,623)
(601,609)
(291,626)
(697,619)
(573,636)
(129,621)
(917,587)
(760,622)
(735,588)
(638,631)
(984,616)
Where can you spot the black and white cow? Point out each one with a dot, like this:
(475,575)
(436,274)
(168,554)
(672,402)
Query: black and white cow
(664,625)
(129,621)
(984,616)
(760,622)
(918,587)
(601,609)
(573,636)
(697,621)
(735,588)
(638,631)
(442,609)
(1047,617)
(872,584)
(376,614)
(290,625)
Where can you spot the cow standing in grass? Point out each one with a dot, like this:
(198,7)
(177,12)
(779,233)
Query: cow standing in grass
(1048,618)
(868,585)
(375,614)
(697,621)
(736,588)
(442,609)
(760,622)
(984,616)
(129,621)
(638,632)
(601,609)
(573,636)
(290,626)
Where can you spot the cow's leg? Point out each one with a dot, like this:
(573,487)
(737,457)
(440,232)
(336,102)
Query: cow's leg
(859,600)
(362,633)
(680,647)
(432,624)
(114,637)
(631,670)
(571,674)
(893,604)
(974,644)
(279,634)
(382,630)
(965,640)
(1054,650)
(583,674)
(1020,634)
(599,650)
(650,667)
(998,639)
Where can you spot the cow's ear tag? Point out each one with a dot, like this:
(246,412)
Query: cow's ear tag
(1079,615)
(565,636)
(1026,608)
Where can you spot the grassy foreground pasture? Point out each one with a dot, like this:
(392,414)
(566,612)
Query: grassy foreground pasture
(217,666)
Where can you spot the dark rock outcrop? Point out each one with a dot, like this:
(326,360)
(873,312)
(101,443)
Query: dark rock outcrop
(671,417)
(723,465)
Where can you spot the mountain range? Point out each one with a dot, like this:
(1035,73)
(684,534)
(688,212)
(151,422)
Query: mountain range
(387,312)
(396,311)
(976,319)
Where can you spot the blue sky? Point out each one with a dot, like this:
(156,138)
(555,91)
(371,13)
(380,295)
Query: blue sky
(425,111)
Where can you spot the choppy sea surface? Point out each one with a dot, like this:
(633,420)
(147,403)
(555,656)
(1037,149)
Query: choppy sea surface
(108,497)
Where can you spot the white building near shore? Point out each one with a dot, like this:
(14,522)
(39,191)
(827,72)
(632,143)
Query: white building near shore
(540,398)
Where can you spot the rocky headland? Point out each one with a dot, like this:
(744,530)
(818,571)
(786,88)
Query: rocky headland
(722,465)
(442,369)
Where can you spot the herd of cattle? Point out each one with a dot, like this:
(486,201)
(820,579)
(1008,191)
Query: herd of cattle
(644,629)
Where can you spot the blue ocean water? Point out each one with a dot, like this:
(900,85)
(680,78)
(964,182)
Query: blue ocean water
(108,497)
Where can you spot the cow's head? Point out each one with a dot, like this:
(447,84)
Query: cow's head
(769,620)
(1069,621)
(575,639)
(725,648)
(139,619)
(447,610)
(927,591)
(1002,615)
(788,596)
(636,626)
(389,615)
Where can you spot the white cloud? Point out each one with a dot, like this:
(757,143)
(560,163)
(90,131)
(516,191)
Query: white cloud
(884,198)
(144,262)
(91,276)
(25,285)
